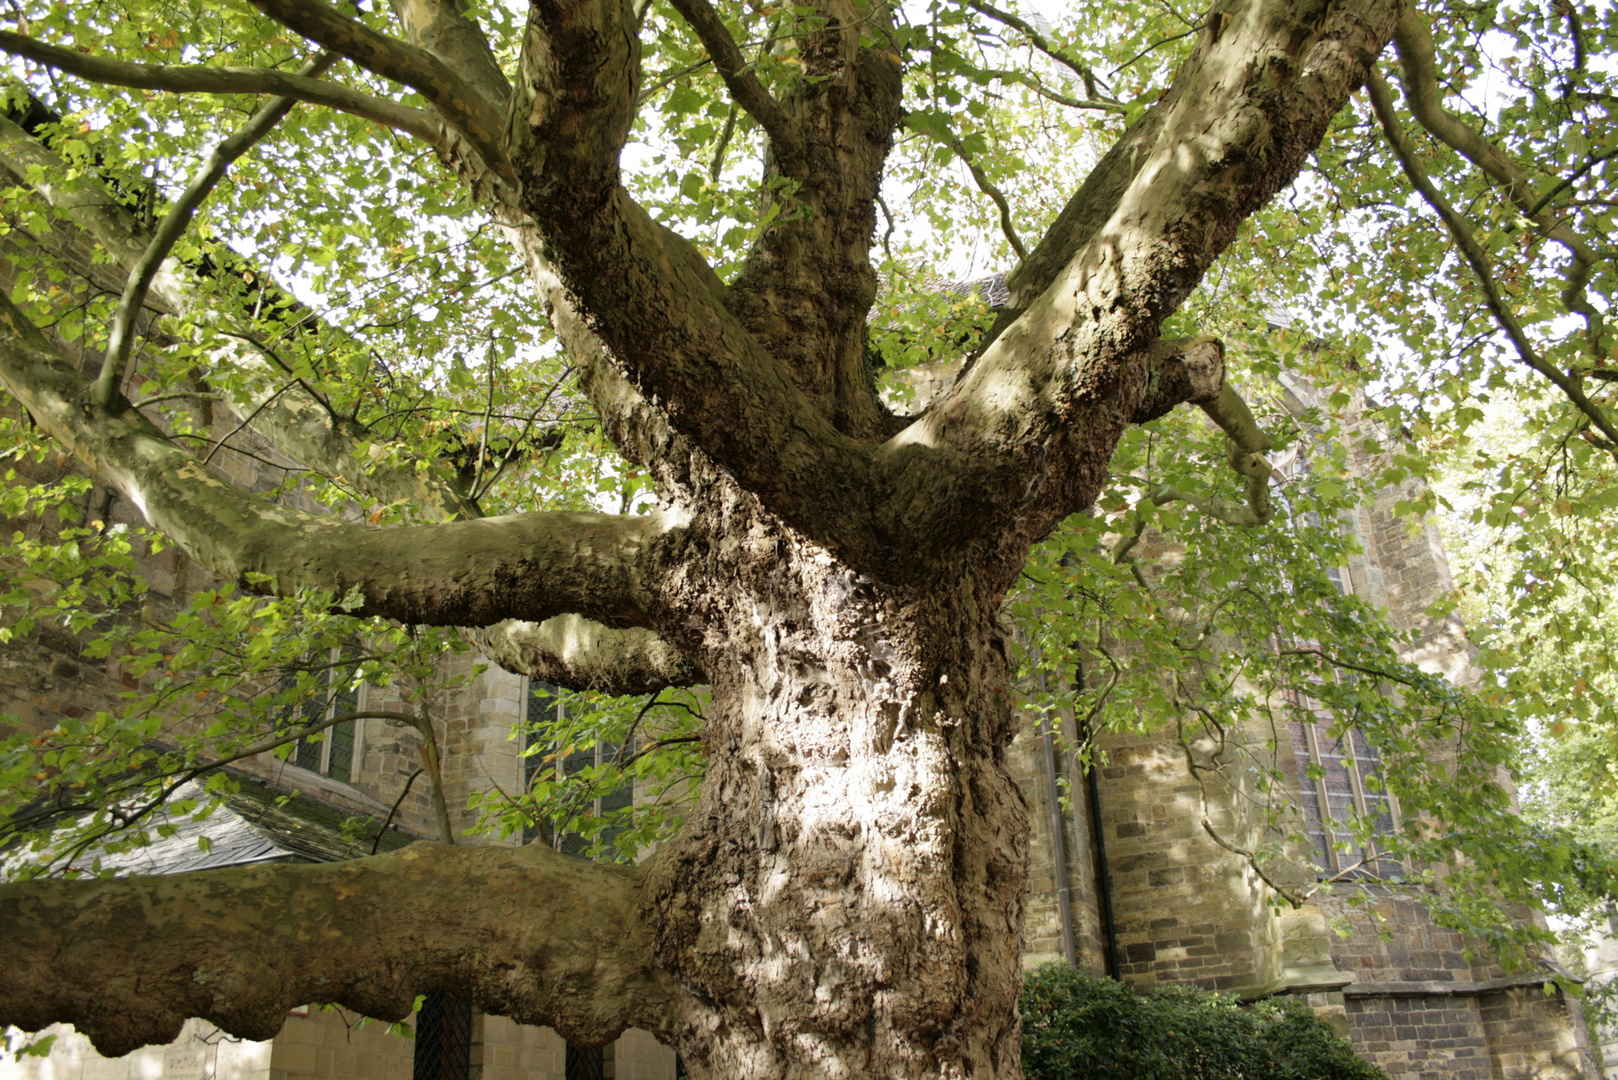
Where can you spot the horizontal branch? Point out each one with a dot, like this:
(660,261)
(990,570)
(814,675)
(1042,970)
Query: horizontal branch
(464,573)
(574,652)
(301,427)
(462,105)
(1032,82)
(127,961)
(198,79)
(1181,371)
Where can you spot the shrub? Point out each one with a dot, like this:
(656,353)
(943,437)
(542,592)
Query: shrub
(1078,1027)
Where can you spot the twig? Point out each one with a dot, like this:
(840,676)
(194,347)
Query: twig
(985,185)
(178,395)
(1038,41)
(1032,82)
(671,77)
(247,420)
(629,735)
(660,744)
(1568,181)
(488,412)
(429,758)
(1157,45)
(380,833)
(1476,257)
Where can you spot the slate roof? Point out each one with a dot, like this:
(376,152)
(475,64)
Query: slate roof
(257,823)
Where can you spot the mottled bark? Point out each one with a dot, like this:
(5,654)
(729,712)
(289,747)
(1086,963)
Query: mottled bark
(524,932)
(845,900)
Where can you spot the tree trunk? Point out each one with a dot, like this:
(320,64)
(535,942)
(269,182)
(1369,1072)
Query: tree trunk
(846,899)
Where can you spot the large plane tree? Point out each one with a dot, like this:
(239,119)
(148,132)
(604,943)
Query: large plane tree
(695,195)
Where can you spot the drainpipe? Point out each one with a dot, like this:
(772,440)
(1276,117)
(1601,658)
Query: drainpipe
(1092,783)
(1064,898)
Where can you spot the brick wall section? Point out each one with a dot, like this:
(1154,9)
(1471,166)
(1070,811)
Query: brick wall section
(1186,910)
(329,1044)
(1418,1038)
(1042,926)
(1418,951)
(1536,1035)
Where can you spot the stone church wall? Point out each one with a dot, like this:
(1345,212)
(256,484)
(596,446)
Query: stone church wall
(1185,910)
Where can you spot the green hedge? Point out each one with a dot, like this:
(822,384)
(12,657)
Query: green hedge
(1078,1027)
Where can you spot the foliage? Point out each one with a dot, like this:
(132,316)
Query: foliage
(223,675)
(407,315)
(1204,629)
(653,749)
(1080,1027)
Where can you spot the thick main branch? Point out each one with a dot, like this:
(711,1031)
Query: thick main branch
(525,933)
(655,304)
(1027,431)
(464,573)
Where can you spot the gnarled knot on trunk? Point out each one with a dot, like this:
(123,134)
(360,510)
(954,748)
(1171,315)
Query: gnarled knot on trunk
(1190,370)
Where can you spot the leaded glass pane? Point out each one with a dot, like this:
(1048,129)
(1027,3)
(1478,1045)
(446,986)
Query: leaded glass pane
(443,1043)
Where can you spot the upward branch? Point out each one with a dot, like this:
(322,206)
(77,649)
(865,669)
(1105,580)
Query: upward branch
(742,83)
(1026,432)
(666,326)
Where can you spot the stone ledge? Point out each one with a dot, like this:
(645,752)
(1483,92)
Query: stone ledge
(1444,989)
